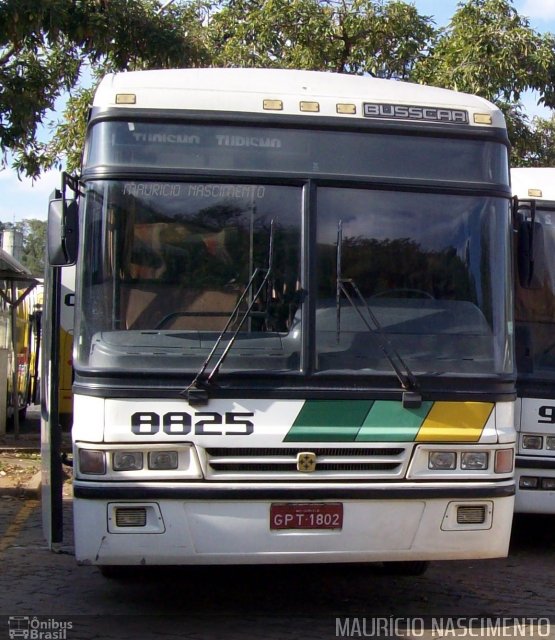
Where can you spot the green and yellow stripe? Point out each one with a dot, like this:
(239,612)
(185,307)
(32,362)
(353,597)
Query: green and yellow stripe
(389,421)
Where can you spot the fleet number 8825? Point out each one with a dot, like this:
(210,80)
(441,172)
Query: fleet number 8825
(202,423)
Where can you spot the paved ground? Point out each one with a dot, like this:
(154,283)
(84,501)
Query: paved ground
(269,602)
(507,597)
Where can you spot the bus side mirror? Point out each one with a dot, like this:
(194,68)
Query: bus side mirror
(62,231)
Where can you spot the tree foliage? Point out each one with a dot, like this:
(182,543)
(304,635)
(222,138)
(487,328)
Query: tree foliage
(34,243)
(356,36)
(490,50)
(539,151)
(45,45)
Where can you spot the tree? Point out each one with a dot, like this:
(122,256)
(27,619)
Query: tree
(346,36)
(34,245)
(488,49)
(540,149)
(44,46)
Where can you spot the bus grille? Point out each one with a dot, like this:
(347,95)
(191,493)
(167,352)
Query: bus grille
(282,464)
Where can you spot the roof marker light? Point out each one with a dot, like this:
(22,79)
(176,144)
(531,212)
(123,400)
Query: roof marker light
(348,109)
(313,107)
(273,105)
(535,193)
(126,98)
(483,118)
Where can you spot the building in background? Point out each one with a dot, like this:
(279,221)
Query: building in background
(11,240)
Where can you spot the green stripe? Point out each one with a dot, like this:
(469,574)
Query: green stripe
(329,421)
(389,421)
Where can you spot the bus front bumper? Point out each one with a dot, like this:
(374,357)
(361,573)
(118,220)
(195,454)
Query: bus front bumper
(535,485)
(187,524)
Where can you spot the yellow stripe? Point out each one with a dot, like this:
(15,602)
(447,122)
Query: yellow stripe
(455,422)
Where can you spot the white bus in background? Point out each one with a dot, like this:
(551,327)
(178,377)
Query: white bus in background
(293,321)
(535,339)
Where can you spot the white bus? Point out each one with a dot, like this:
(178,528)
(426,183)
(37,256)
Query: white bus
(535,339)
(293,321)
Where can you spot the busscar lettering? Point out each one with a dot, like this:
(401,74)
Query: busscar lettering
(201,423)
(415,112)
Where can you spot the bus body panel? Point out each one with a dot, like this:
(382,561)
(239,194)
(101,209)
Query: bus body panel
(213,532)
(534,416)
(535,322)
(219,519)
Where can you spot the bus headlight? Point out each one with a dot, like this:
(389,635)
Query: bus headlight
(162,460)
(442,460)
(474,460)
(138,462)
(460,461)
(532,442)
(127,460)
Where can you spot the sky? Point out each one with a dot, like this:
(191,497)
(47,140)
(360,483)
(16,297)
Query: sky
(21,198)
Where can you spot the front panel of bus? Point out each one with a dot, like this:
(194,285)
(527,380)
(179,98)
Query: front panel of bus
(290,339)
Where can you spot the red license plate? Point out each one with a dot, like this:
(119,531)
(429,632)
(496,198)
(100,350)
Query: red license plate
(324,515)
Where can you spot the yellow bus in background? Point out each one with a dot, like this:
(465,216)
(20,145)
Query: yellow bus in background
(21,298)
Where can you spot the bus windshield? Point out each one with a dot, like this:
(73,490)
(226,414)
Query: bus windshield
(535,297)
(169,257)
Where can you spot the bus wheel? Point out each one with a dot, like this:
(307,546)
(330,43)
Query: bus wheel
(407,568)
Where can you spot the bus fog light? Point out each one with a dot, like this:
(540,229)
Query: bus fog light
(130,516)
(162,460)
(532,442)
(474,460)
(442,460)
(550,443)
(504,460)
(92,461)
(548,483)
(471,514)
(528,482)
(127,460)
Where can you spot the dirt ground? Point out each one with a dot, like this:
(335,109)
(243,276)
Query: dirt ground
(17,468)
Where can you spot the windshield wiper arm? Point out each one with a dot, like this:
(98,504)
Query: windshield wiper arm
(411,396)
(197,391)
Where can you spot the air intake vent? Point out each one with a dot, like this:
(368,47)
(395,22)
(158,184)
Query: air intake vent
(274,463)
(475,514)
(130,517)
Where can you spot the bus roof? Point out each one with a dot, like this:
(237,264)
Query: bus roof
(536,183)
(310,93)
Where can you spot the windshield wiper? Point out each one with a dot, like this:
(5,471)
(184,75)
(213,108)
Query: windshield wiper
(197,392)
(412,398)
